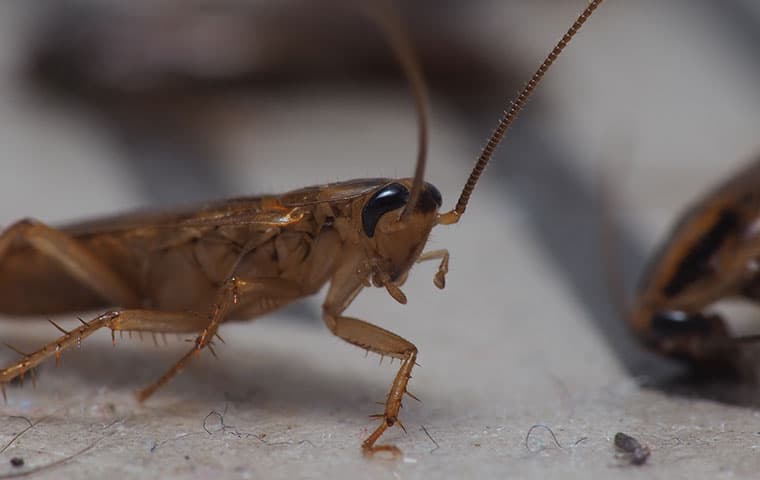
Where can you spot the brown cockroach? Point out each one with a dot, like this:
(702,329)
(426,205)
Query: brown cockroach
(241,258)
(710,255)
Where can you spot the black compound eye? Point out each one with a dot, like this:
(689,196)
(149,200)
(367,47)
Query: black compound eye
(386,199)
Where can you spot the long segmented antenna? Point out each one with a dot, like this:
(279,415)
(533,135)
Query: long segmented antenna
(396,35)
(510,115)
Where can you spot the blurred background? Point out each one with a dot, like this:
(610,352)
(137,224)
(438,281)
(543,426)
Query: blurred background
(111,106)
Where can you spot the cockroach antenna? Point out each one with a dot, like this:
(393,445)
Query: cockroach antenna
(510,115)
(396,35)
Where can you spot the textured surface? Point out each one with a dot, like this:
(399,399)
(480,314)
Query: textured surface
(524,333)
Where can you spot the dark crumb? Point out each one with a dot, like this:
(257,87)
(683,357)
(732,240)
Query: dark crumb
(17,462)
(475,444)
(187,457)
(636,453)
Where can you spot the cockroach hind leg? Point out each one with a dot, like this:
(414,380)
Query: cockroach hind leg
(131,320)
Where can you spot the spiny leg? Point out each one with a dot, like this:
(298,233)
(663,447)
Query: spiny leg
(346,283)
(383,342)
(73,257)
(125,320)
(227,296)
(234,291)
(343,290)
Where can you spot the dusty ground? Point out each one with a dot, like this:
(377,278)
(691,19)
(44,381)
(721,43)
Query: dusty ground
(524,333)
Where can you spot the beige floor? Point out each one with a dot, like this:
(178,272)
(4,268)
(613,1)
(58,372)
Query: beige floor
(524,333)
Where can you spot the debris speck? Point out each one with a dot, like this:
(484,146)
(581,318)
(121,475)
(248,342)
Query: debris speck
(636,453)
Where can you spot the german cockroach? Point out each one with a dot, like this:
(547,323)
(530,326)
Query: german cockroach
(244,257)
(710,255)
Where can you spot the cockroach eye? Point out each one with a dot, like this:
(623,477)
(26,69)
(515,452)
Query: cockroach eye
(388,198)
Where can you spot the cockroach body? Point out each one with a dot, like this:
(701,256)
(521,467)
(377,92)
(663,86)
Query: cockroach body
(710,255)
(238,259)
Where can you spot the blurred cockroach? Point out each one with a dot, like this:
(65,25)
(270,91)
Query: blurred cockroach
(711,254)
(241,258)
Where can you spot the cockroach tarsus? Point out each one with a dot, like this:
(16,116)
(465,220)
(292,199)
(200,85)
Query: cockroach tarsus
(711,254)
(637,453)
(244,257)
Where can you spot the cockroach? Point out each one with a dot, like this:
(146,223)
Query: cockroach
(637,453)
(244,257)
(710,255)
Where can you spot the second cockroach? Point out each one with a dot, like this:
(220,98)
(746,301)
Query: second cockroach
(711,254)
(241,258)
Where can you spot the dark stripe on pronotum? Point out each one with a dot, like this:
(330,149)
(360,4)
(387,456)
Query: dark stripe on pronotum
(697,262)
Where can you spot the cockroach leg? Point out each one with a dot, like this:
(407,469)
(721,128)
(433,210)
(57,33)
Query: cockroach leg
(125,320)
(72,256)
(440,277)
(259,296)
(346,285)
(383,342)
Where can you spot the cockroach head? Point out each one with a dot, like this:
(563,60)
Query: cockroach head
(397,217)
(396,231)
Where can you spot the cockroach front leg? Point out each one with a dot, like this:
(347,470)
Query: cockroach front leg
(381,341)
(343,289)
(73,257)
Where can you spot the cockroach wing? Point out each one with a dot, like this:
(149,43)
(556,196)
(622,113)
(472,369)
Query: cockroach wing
(274,217)
(266,211)
(331,192)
